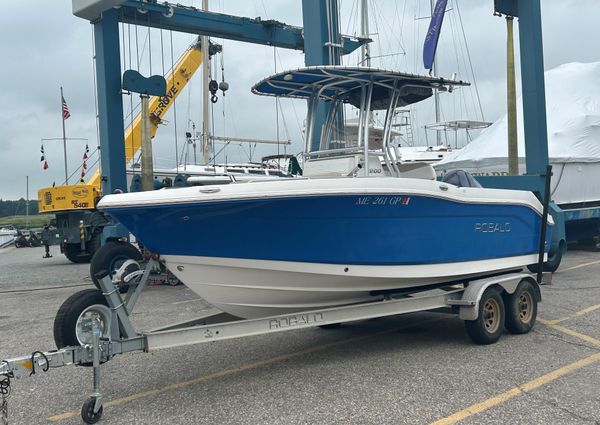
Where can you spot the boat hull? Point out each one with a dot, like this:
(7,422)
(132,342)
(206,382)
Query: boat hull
(258,249)
(256,288)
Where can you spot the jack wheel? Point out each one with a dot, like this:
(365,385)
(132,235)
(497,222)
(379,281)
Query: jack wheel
(521,308)
(111,256)
(87,411)
(71,324)
(489,325)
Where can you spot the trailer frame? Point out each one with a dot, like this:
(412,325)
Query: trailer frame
(461,298)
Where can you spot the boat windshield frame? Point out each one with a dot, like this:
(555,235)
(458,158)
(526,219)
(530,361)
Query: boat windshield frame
(368,89)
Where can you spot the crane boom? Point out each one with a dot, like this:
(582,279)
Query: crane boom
(176,81)
(83,196)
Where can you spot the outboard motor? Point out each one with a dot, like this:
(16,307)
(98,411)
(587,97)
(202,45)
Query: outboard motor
(460,178)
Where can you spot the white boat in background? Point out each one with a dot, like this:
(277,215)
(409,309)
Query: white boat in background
(426,154)
(271,167)
(356,228)
(7,236)
(572,99)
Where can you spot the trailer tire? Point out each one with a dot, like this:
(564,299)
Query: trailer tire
(489,325)
(73,253)
(521,308)
(68,315)
(111,256)
(87,411)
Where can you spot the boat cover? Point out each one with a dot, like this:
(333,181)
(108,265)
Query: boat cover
(345,83)
(573,116)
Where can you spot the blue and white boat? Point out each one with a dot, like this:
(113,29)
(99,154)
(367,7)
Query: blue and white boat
(361,223)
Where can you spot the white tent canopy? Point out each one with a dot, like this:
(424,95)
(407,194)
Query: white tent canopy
(573,116)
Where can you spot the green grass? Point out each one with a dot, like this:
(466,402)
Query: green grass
(20,221)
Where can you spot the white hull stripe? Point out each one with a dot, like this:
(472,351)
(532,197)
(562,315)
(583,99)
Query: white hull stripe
(417,271)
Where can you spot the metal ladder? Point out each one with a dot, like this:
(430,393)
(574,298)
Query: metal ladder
(405,122)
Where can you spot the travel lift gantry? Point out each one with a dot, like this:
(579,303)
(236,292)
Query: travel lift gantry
(93,326)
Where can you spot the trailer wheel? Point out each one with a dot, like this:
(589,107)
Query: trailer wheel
(87,411)
(489,325)
(111,256)
(69,326)
(521,308)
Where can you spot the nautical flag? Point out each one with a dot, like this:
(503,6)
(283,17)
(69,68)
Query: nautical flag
(84,165)
(43,158)
(65,109)
(433,34)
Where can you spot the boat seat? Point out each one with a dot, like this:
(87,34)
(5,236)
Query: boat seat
(460,178)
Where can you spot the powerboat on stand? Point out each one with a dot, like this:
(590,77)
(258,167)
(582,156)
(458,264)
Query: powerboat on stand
(361,223)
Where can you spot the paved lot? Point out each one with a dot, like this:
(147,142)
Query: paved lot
(413,369)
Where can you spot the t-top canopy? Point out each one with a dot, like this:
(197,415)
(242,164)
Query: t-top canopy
(346,83)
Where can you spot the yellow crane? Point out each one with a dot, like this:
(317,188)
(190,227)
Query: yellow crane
(78,223)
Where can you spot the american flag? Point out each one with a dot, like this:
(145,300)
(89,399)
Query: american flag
(65,108)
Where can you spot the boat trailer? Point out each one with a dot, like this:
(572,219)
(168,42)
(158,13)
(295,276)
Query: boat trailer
(96,323)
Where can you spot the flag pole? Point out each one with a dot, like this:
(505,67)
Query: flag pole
(64,135)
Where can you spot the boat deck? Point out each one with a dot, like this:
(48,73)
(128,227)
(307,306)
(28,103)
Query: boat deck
(417,369)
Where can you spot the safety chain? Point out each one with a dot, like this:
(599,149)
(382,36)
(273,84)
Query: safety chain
(4,394)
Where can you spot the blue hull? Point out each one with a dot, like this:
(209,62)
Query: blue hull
(342,229)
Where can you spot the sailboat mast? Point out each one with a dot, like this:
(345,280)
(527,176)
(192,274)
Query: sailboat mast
(436,95)
(205,81)
(365,49)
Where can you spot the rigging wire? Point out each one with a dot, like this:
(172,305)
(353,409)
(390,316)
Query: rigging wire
(469,57)
(291,101)
(131,100)
(463,68)
(137,46)
(213,76)
(223,80)
(97,117)
(149,50)
(352,15)
(276,105)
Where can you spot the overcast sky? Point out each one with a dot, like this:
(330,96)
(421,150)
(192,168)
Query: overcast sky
(44,46)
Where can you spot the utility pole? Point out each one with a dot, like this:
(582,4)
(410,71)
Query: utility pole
(27,202)
(513,147)
(205,81)
(147,161)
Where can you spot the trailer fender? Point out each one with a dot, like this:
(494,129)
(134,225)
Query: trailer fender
(469,303)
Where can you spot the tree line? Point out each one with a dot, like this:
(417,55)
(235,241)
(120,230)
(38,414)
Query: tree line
(18,207)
